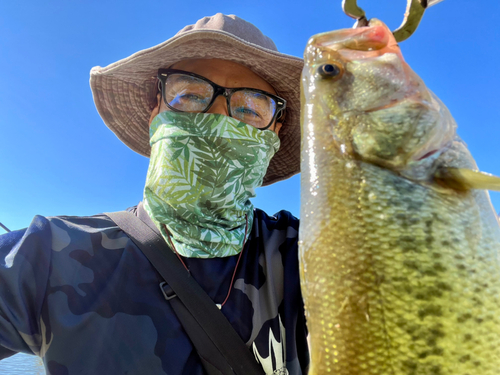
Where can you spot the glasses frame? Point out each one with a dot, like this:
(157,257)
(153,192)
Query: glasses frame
(220,90)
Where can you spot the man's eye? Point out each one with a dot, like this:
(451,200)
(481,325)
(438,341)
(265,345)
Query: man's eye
(192,97)
(246,112)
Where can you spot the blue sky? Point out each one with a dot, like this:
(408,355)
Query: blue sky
(58,158)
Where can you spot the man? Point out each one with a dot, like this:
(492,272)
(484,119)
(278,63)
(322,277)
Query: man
(217,109)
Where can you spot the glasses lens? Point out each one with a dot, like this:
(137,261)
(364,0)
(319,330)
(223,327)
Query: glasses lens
(187,93)
(253,108)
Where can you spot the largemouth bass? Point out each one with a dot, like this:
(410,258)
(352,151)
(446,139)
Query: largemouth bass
(399,253)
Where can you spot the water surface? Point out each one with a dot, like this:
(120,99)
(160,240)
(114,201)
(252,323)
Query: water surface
(22,364)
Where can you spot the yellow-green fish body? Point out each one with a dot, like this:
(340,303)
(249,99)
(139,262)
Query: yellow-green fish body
(400,275)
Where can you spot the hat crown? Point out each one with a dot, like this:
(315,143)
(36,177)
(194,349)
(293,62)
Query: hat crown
(233,25)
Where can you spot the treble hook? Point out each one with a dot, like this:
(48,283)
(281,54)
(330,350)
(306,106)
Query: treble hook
(414,12)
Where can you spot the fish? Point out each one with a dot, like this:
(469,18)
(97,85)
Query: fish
(399,243)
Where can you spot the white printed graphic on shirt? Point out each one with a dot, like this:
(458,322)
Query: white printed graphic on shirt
(277,352)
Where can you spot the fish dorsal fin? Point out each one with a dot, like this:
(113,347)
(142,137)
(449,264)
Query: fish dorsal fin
(463,179)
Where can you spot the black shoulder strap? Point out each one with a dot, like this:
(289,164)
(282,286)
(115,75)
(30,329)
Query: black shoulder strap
(221,349)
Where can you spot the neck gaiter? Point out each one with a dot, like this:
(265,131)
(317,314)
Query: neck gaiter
(203,170)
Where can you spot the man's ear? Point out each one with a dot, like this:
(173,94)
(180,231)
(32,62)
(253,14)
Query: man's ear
(277,127)
(156,109)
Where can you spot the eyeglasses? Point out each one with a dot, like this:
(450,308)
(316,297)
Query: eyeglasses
(188,92)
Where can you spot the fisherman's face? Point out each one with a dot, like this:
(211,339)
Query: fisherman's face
(224,73)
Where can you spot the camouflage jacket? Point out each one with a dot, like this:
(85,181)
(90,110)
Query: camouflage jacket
(79,293)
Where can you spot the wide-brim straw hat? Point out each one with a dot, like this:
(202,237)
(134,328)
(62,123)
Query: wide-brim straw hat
(125,92)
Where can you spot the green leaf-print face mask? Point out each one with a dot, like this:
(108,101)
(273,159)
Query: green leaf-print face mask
(203,170)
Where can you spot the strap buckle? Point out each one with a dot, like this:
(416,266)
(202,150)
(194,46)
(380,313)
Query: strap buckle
(167,291)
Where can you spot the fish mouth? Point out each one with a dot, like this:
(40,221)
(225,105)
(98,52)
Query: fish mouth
(363,42)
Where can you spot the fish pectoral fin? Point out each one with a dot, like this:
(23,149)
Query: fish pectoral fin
(463,179)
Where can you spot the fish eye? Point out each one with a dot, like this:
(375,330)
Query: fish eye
(329,71)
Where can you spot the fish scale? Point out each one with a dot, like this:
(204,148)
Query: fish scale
(399,277)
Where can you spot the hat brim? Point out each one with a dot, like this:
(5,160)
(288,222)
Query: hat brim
(125,92)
